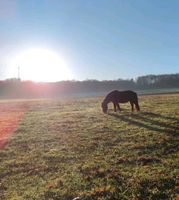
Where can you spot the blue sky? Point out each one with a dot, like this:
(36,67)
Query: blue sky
(99,39)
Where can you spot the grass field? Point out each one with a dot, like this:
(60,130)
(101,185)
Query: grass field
(69,149)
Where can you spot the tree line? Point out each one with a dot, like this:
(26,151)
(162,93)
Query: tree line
(15,88)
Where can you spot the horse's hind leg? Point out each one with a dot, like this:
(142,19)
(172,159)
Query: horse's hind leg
(132,106)
(137,106)
(136,103)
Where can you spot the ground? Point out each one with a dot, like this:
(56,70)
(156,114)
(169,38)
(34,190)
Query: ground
(66,149)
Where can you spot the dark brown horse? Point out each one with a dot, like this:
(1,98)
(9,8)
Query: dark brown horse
(117,97)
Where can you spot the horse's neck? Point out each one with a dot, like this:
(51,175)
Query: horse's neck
(106,100)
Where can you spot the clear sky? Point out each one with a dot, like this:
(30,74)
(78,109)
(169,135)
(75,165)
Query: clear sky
(96,39)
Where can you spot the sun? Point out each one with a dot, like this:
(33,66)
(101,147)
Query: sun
(41,65)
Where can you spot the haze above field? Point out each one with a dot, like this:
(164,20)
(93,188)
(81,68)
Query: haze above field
(51,40)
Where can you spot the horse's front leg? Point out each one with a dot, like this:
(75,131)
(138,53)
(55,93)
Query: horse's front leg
(114,106)
(118,106)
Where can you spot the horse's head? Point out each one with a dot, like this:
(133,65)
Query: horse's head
(104,107)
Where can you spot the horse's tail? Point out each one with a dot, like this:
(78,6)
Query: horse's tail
(136,102)
(104,106)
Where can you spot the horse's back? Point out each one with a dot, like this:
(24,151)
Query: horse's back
(123,96)
(128,93)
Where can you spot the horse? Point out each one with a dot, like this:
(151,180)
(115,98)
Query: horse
(117,97)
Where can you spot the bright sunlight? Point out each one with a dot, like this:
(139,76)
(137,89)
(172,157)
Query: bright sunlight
(41,65)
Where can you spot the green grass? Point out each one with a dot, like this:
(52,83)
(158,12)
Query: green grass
(65,149)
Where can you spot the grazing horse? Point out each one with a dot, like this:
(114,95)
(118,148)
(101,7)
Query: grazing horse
(117,97)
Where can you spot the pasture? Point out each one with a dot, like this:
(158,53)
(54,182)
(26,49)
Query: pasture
(67,149)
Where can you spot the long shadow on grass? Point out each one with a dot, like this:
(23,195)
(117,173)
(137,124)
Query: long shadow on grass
(160,116)
(153,120)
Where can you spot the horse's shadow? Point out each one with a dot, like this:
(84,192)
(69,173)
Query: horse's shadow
(151,121)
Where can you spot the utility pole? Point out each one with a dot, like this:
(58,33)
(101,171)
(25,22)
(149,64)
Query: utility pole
(18,73)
